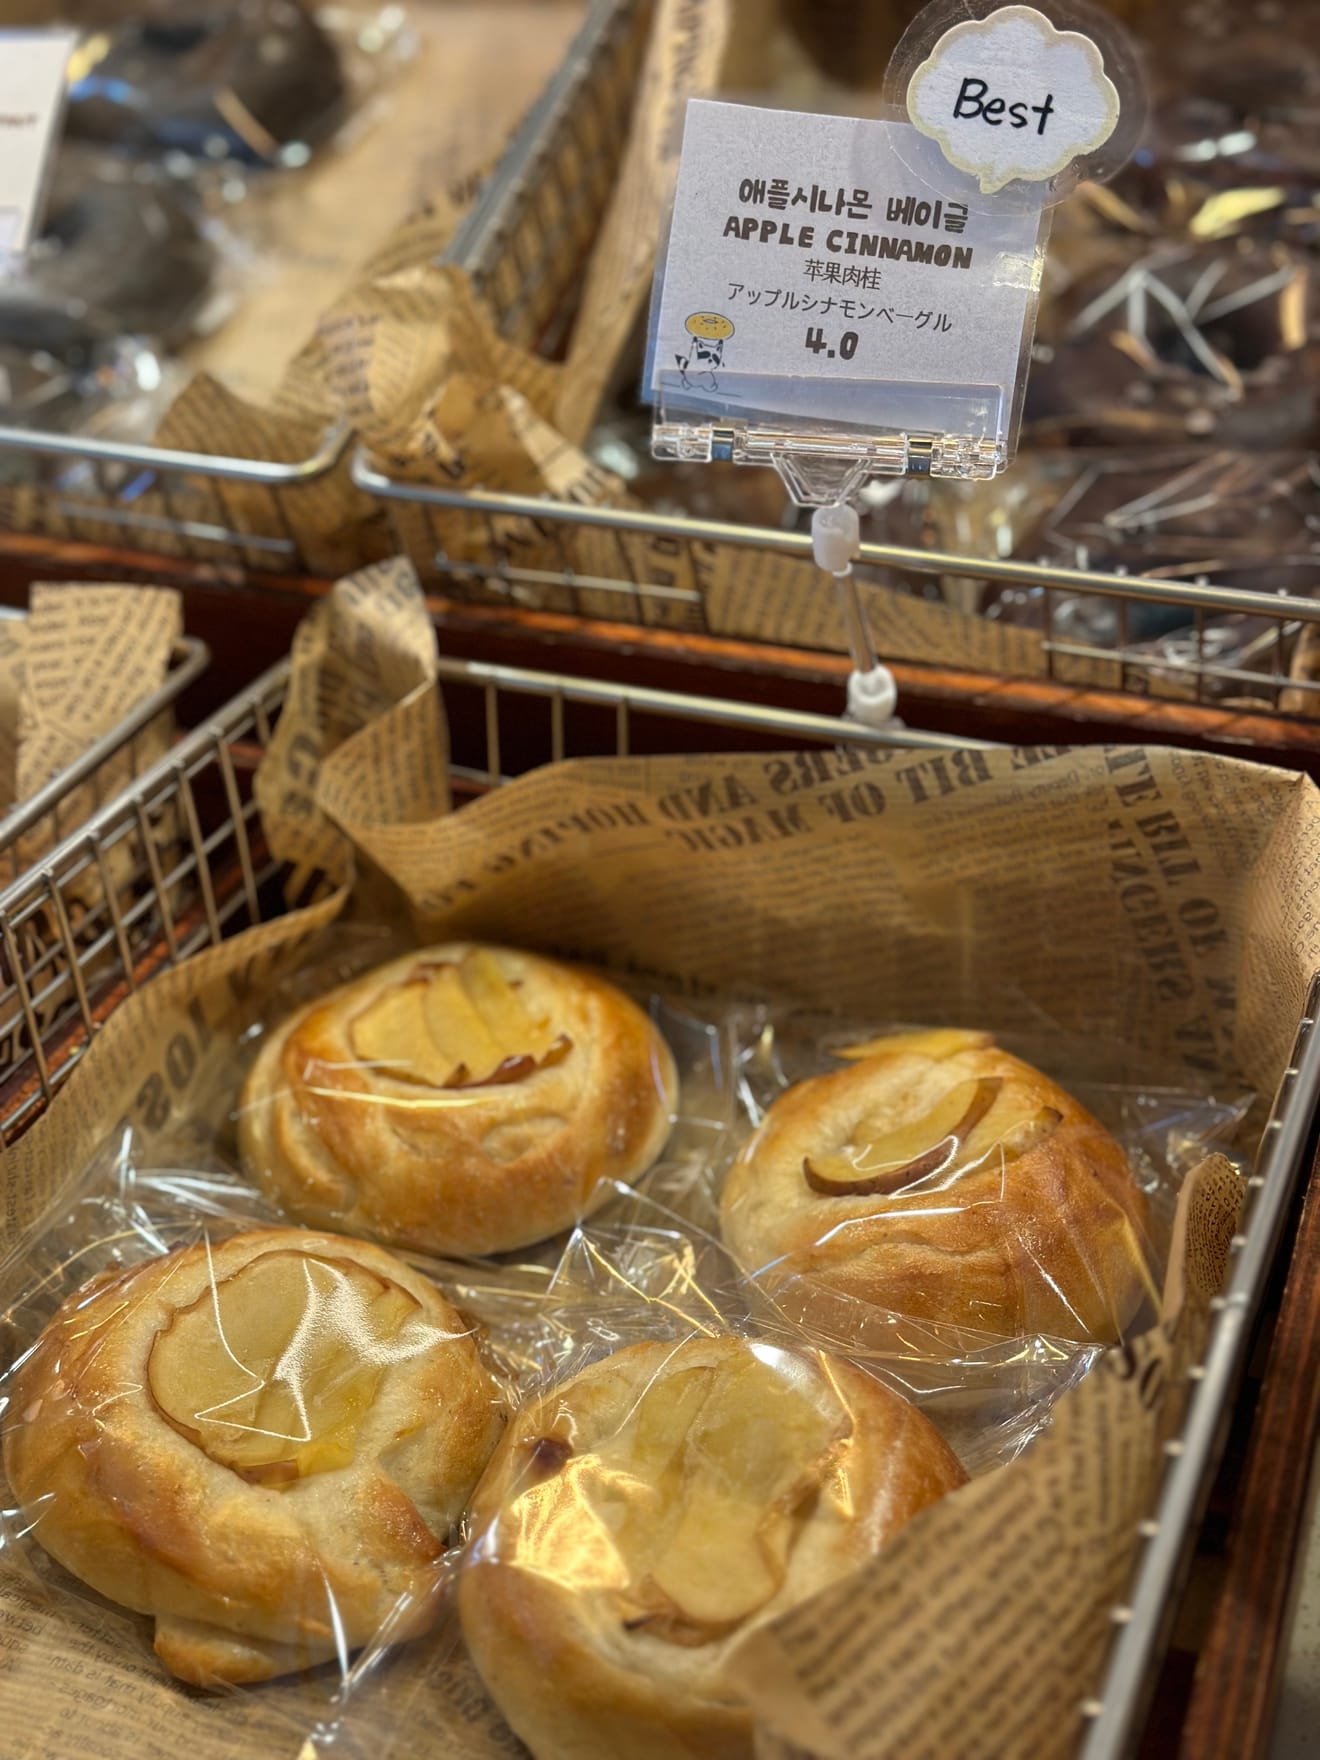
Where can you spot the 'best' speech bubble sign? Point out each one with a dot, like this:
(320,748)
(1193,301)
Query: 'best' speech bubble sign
(1009,96)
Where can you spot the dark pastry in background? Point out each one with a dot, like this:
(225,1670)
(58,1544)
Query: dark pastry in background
(120,269)
(210,80)
(1179,342)
(57,363)
(132,251)
(1190,511)
(1211,517)
(1235,88)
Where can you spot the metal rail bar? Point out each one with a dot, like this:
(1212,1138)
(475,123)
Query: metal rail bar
(265,473)
(713,711)
(798,544)
(1117,1711)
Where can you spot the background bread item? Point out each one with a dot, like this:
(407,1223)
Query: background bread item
(941,1178)
(636,1521)
(264,1442)
(462,1099)
(201,77)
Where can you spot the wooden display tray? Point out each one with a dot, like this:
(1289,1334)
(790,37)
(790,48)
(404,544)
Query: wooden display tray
(1219,1685)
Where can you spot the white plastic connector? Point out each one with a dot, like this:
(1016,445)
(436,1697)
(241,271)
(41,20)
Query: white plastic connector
(836,536)
(872,696)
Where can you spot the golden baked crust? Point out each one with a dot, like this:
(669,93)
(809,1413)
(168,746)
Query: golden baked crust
(638,1520)
(1033,1224)
(264,1442)
(386,1110)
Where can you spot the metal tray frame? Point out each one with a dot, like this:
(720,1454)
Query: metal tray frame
(224,870)
(96,483)
(1136,669)
(523,244)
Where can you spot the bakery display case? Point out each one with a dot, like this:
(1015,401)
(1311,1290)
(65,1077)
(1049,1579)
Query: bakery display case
(565,1195)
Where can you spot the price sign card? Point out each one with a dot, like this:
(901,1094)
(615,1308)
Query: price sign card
(32,69)
(843,297)
(833,270)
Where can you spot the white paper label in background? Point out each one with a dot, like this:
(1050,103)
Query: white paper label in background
(32,69)
(838,269)
(1009,96)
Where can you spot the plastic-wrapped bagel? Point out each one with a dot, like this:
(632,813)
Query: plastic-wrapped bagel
(938,1177)
(461,1100)
(264,1442)
(642,1517)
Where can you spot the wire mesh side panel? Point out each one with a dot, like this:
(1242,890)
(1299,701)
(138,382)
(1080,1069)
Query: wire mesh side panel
(170,866)
(1237,643)
(177,862)
(525,248)
(526,244)
(1143,1621)
(543,564)
(108,764)
(80,803)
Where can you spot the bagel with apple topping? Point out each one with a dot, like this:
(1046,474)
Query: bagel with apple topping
(938,1177)
(638,1520)
(264,1442)
(462,1100)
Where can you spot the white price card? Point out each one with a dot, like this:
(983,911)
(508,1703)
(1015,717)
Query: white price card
(836,271)
(32,85)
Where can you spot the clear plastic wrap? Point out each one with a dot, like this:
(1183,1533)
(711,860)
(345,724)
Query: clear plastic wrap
(310,1377)
(638,1518)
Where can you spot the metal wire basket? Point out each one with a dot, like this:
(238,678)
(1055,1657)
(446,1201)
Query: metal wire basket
(36,948)
(1264,674)
(218,877)
(259,513)
(176,861)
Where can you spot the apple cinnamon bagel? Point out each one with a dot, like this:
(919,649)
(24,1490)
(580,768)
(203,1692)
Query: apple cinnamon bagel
(264,1442)
(463,1100)
(940,1178)
(640,1519)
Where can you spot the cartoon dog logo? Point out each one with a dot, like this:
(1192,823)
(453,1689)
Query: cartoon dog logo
(709,332)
